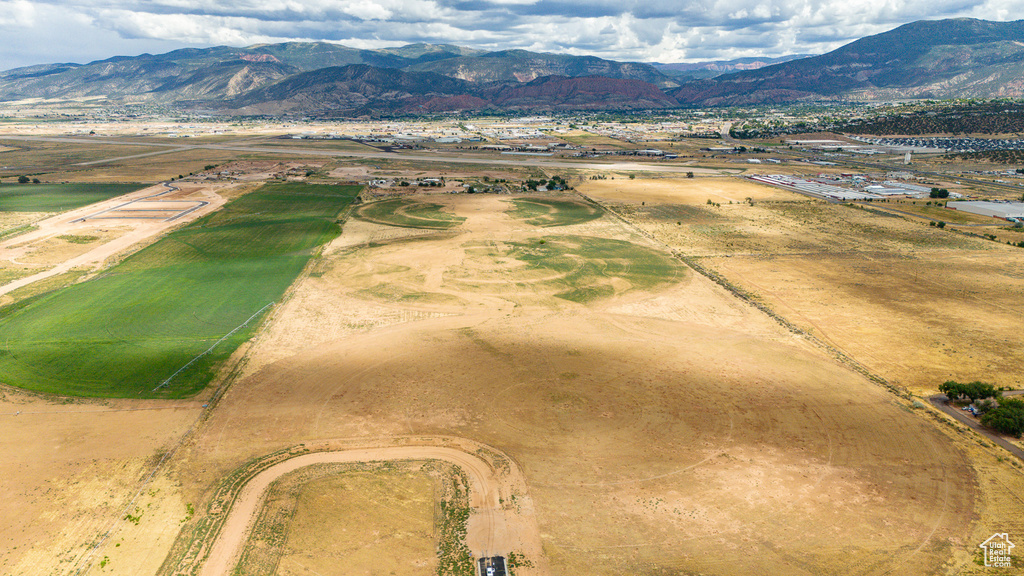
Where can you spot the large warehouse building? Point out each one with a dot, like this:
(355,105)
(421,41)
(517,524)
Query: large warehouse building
(1004,210)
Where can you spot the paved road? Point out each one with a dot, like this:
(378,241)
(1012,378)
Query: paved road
(941,402)
(899,166)
(904,212)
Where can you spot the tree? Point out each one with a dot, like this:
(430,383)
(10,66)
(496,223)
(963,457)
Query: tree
(1008,418)
(978,390)
(952,389)
(974,391)
(23,180)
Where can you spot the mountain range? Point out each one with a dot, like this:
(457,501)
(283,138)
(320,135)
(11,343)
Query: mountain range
(925,59)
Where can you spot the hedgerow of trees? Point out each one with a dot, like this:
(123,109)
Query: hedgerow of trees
(973,391)
(1005,415)
(1008,418)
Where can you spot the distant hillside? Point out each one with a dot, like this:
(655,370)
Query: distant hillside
(979,118)
(714,68)
(224,73)
(927,59)
(588,93)
(356,89)
(365,90)
(523,66)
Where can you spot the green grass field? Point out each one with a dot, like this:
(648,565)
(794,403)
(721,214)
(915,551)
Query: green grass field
(546,212)
(407,213)
(588,265)
(124,333)
(57,197)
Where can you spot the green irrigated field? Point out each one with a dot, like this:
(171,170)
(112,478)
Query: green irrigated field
(57,197)
(588,265)
(125,333)
(547,212)
(576,268)
(407,213)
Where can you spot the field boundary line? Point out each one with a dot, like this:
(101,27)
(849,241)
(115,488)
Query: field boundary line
(210,349)
(751,299)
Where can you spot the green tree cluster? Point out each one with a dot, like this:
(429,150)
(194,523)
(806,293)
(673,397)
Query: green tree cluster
(1008,418)
(974,391)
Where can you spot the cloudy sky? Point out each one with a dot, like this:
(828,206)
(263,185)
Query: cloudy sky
(42,31)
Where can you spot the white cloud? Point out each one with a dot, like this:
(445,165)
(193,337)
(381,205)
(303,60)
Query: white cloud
(645,30)
(17,13)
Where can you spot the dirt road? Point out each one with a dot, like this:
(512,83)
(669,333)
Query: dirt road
(492,530)
(941,401)
(75,221)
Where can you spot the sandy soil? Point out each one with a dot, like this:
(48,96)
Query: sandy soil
(69,473)
(39,243)
(10,220)
(492,528)
(681,191)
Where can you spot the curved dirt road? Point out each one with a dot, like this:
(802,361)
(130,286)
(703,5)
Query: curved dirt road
(491,530)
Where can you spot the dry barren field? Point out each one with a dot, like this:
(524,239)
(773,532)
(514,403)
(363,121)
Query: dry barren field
(916,304)
(662,425)
(653,422)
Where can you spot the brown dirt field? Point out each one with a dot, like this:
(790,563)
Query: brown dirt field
(9,220)
(69,471)
(145,169)
(53,250)
(359,522)
(866,283)
(43,250)
(652,426)
(681,190)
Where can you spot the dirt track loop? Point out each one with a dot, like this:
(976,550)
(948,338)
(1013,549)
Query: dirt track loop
(491,530)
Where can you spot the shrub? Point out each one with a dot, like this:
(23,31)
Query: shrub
(1008,418)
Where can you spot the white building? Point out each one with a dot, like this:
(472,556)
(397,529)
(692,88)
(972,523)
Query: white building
(1004,210)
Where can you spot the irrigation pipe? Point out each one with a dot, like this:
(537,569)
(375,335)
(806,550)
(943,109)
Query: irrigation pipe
(210,349)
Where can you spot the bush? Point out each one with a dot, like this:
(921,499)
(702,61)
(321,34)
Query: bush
(1008,418)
